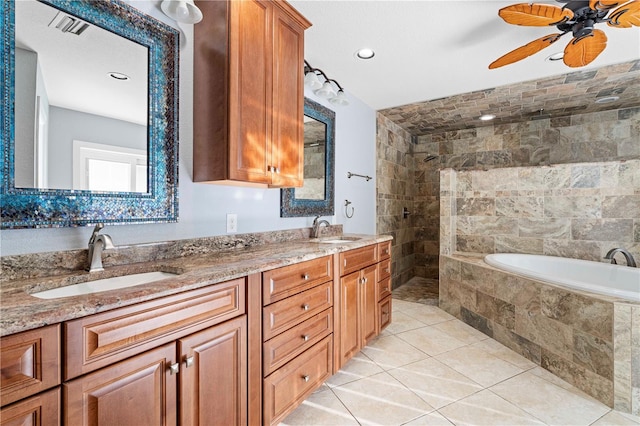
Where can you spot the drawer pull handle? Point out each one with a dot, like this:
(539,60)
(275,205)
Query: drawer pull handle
(188,362)
(305,277)
(305,337)
(174,368)
(305,307)
(305,377)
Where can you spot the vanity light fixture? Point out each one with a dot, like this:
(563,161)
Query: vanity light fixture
(119,76)
(325,90)
(487,117)
(184,11)
(365,53)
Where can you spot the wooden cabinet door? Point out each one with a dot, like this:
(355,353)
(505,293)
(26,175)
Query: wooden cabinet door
(138,391)
(287,147)
(40,410)
(250,90)
(213,375)
(368,304)
(349,330)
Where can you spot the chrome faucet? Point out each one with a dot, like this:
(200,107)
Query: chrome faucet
(628,257)
(315,230)
(97,243)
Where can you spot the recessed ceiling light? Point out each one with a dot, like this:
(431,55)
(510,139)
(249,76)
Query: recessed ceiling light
(607,99)
(487,117)
(365,53)
(555,57)
(119,76)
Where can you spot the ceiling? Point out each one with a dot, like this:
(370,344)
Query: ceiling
(427,50)
(76,68)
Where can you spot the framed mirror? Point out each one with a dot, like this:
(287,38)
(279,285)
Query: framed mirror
(315,197)
(90,117)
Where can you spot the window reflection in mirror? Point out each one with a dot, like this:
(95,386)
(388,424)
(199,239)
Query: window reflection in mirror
(315,134)
(78,84)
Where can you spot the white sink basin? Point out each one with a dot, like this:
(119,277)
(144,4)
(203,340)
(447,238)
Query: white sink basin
(105,284)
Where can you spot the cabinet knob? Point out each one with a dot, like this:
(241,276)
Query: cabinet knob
(305,337)
(188,362)
(305,277)
(174,368)
(305,378)
(277,170)
(305,307)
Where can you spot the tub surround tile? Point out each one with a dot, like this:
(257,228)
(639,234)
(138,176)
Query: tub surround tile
(496,310)
(573,206)
(622,332)
(546,332)
(593,353)
(556,228)
(603,229)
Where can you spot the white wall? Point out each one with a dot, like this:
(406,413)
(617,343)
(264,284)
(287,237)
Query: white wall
(203,208)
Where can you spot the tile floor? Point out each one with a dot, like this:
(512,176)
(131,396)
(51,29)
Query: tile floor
(428,368)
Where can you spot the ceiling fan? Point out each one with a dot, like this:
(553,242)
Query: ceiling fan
(577,17)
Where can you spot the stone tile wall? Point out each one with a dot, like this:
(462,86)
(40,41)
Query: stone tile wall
(572,210)
(589,342)
(395,190)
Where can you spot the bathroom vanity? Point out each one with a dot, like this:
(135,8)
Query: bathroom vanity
(239,336)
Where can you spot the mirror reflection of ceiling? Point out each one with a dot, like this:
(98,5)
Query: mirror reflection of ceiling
(85,60)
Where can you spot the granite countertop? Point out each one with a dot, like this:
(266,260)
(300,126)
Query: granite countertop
(19,311)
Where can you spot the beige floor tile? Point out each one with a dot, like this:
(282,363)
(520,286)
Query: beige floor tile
(431,419)
(320,408)
(403,305)
(497,349)
(381,400)
(479,366)
(428,315)
(461,331)
(431,340)
(487,408)
(356,368)
(434,382)
(391,352)
(549,377)
(613,418)
(402,322)
(548,402)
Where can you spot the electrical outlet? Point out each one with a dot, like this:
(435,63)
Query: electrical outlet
(232,222)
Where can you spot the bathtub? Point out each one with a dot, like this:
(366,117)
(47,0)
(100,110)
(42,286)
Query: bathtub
(603,278)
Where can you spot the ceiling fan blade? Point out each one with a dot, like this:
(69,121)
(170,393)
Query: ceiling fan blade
(535,15)
(626,15)
(602,5)
(525,51)
(581,51)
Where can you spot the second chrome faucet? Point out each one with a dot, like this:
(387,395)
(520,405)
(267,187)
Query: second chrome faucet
(97,243)
(628,257)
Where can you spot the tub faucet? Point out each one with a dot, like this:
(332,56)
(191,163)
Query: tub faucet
(315,230)
(629,258)
(97,243)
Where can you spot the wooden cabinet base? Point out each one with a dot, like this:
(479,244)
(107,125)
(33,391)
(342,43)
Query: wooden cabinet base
(288,386)
(39,410)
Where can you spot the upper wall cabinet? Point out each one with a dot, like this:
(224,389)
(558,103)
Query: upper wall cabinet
(249,95)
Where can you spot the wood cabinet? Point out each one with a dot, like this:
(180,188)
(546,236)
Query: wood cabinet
(297,324)
(39,410)
(248,80)
(364,300)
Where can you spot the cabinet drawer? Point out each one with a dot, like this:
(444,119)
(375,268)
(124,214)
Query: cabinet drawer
(285,346)
(384,269)
(42,410)
(384,288)
(283,282)
(353,260)
(286,388)
(384,311)
(29,363)
(286,313)
(384,250)
(98,340)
